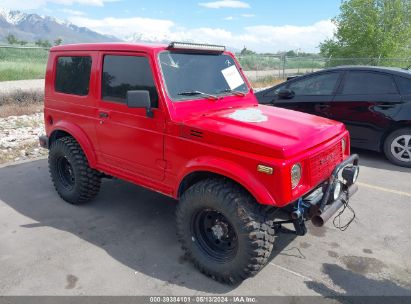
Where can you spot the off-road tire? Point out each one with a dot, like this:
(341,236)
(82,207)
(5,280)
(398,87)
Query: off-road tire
(86,181)
(387,147)
(248,219)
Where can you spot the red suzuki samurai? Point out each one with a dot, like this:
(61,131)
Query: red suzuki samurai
(181,119)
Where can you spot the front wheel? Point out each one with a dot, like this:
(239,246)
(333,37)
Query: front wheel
(397,147)
(223,230)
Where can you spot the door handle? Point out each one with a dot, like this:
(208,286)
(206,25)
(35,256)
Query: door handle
(103,115)
(386,106)
(323,106)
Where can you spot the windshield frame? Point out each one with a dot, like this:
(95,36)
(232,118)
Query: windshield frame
(183,98)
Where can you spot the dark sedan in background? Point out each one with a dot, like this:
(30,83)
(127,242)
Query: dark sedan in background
(373,102)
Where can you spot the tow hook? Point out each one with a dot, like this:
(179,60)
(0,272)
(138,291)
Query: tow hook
(298,215)
(300,210)
(299,226)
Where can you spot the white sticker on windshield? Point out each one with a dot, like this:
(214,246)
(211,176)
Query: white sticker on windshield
(233,77)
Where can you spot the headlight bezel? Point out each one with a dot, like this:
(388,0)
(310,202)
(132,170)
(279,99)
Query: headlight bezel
(296,173)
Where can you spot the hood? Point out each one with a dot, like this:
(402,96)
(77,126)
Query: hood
(264,130)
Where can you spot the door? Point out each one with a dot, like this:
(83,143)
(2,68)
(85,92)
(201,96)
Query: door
(312,93)
(129,140)
(366,102)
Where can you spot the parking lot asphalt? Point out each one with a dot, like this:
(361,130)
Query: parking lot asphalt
(124,242)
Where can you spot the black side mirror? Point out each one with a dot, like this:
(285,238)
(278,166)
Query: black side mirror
(139,99)
(292,77)
(285,93)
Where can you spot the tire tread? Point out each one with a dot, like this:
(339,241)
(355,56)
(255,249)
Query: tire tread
(90,179)
(254,221)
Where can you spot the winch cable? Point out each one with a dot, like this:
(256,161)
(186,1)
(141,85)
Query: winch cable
(338,216)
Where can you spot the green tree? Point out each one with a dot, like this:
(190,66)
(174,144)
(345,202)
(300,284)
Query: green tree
(11,39)
(291,54)
(42,43)
(245,51)
(39,42)
(22,42)
(46,43)
(370,28)
(58,41)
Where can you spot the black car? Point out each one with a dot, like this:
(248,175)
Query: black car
(373,102)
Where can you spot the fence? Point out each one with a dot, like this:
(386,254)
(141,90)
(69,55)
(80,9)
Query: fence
(18,63)
(262,70)
(265,70)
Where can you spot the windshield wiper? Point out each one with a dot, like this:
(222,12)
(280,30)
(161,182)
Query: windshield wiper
(192,93)
(238,93)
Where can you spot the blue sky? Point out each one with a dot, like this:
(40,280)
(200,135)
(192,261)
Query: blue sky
(263,25)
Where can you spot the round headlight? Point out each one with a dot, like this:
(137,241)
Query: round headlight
(337,190)
(295,175)
(343,145)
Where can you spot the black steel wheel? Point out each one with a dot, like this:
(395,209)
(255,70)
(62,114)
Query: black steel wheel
(223,230)
(65,173)
(215,235)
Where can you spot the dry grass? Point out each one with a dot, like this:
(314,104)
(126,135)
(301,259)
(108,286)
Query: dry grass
(21,103)
(266,82)
(21,109)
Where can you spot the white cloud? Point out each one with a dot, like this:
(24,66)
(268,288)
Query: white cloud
(260,38)
(150,29)
(33,4)
(72,12)
(228,18)
(288,37)
(247,15)
(225,4)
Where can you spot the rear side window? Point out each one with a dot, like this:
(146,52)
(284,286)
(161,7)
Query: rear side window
(126,73)
(366,83)
(405,85)
(73,75)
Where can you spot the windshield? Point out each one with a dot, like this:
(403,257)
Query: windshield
(193,75)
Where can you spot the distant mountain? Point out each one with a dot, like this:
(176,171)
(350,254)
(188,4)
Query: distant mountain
(30,27)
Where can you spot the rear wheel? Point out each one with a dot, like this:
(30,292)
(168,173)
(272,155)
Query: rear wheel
(72,177)
(223,230)
(397,147)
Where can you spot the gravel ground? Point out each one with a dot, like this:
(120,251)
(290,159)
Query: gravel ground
(19,137)
(7,87)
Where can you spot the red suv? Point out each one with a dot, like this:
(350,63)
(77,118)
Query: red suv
(182,120)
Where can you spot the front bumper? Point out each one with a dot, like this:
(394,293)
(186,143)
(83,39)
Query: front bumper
(323,202)
(327,207)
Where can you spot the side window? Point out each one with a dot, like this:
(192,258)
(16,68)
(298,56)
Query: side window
(365,83)
(322,84)
(405,85)
(73,75)
(125,73)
